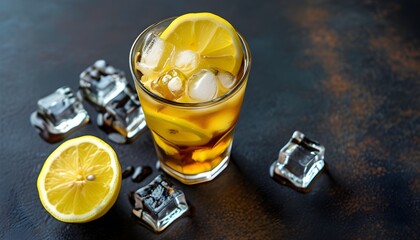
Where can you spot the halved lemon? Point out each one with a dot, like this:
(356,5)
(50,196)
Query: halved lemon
(80,180)
(176,130)
(213,38)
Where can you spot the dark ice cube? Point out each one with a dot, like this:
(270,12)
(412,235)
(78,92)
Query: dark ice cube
(123,118)
(159,203)
(100,83)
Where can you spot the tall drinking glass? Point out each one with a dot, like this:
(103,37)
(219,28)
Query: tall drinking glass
(193,140)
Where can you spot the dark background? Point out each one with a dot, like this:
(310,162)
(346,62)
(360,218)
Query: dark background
(345,73)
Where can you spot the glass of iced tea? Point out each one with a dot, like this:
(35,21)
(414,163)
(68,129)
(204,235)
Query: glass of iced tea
(190,73)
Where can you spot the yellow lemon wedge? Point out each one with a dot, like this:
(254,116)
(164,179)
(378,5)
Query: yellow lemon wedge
(176,130)
(211,37)
(80,180)
(165,147)
(206,154)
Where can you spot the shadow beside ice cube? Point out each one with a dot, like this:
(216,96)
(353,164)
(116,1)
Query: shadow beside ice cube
(299,161)
(158,204)
(59,114)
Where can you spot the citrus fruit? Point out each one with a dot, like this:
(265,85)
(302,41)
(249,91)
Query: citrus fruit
(176,130)
(165,147)
(205,154)
(80,180)
(211,37)
(221,121)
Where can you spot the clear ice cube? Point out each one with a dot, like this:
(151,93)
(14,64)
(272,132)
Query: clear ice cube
(59,114)
(299,161)
(154,55)
(158,204)
(226,79)
(202,86)
(100,83)
(186,61)
(123,118)
(170,85)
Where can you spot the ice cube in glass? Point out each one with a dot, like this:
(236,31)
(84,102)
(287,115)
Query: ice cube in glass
(123,118)
(186,61)
(59,114)
(154,55)
(100,83)
(170,85)
(202,86)
(159,203)
(299,161)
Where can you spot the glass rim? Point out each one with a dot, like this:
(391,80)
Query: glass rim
(247,65)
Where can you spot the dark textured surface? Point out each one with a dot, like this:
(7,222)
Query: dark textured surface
(345,73)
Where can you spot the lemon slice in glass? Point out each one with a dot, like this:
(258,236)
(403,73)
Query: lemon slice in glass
(176,130)
(165,146)
(80,180)
(205,154)
(213,38)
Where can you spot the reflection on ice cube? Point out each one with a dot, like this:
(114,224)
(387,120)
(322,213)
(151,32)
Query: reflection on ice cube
(154,55)
(158,204)
(58,115)
(299,161)
(123,119)
(100,83)
(202,86)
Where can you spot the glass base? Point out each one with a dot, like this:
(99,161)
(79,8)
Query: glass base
(190,179)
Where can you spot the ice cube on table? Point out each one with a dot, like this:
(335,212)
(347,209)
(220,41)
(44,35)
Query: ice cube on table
(299,161)
(158,204)
(170,85)
(226,79)
(202,86)
(154,55)
(59,114)
(100,83)
(186,61)
(110,70)
(123,118)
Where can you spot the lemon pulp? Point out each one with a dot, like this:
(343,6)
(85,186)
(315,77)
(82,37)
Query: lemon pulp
(80,180)
(213,38)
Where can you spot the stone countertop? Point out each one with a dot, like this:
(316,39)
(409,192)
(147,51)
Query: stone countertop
(346,73)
